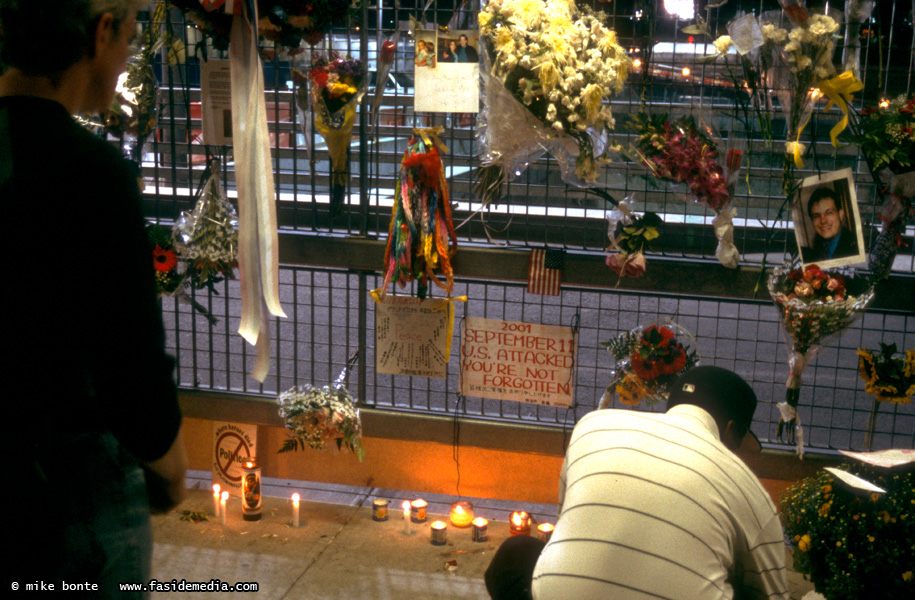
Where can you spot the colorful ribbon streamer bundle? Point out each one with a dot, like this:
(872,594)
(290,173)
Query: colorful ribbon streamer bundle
(421,237)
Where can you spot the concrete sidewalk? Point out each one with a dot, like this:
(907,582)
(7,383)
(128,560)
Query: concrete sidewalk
(338,551)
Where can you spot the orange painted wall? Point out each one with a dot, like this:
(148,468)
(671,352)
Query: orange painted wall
(416,465)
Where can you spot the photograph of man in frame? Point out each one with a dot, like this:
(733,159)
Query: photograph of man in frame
(827,225)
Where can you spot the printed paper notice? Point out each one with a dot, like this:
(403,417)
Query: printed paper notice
(216,102)
(233,444)
(524,362)
(413,336)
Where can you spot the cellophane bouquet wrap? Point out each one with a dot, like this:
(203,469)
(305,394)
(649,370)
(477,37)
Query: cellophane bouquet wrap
(813,305)
(318,416)
(649,360)
(133,114)
(207,236)
(549,68)
(886,135)
(421,238)
(170,270)
(800,47)
(684,151)
(336,86)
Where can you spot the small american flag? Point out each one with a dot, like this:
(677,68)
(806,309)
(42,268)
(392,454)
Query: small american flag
(544,273)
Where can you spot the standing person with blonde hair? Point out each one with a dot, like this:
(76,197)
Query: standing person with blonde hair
(91,402)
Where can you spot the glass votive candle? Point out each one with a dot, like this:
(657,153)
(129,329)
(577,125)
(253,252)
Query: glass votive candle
(439,533)
(461,513)
(545,531)
(519,523)
(379,509)
(479,533)
(418,510)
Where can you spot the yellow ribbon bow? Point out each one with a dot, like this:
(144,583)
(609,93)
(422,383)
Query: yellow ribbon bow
(839,90)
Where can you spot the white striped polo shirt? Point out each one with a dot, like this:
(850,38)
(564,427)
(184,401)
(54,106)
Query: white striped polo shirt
(654,506)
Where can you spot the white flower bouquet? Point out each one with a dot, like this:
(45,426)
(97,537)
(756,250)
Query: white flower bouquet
(550,68)
(207,237)
(317,416)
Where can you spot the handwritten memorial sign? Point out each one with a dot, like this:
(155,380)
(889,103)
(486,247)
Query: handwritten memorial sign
(524,362)
(413,336)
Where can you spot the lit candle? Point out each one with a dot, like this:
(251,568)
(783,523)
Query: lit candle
(295,510)
(379,509)
(461,513)
(520,523)
(216,500)
(407,529)
(222,507)
(439,531)
(545,531)
(418,510)
(479,531)
(251,491)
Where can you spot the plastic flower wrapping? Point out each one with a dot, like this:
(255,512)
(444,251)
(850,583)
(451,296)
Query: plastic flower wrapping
(649,360)
(681,151)
(170,270)
(798,49)
(813,305)
(134,111)
(285,22)
(421,238)
(550,67)
(630,235)
(886,136)
(207,237)
(334,86)
(318,416)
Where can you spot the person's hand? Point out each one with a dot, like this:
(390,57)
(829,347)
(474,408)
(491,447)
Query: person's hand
(165,478)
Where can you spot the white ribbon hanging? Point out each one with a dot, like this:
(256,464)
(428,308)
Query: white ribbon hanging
(258,257)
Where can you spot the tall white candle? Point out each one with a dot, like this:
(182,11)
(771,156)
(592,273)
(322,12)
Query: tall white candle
(295,510)
(407,528)
(216,500)
(222,507)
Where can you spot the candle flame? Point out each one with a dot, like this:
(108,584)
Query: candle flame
(459,510)
(406,505)
(216,488)
(225,496)
(546,527)
(686,71)
(517,519)
(884,103)
(480,521)
(295,498)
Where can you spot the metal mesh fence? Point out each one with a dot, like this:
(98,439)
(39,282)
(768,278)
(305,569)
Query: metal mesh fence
(327,320)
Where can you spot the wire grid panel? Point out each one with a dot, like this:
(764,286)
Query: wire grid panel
(323,325)
(537,207)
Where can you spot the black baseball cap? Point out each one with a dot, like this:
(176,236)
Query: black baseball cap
(722,393)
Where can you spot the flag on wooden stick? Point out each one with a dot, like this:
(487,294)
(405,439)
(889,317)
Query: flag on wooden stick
(544,272)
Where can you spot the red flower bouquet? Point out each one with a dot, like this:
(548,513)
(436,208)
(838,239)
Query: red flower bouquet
(649,361)
(813,305)
(681,152)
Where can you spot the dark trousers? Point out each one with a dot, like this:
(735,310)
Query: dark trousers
(512,568)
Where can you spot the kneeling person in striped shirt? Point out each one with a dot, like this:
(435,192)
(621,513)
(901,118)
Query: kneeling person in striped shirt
(659,506)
